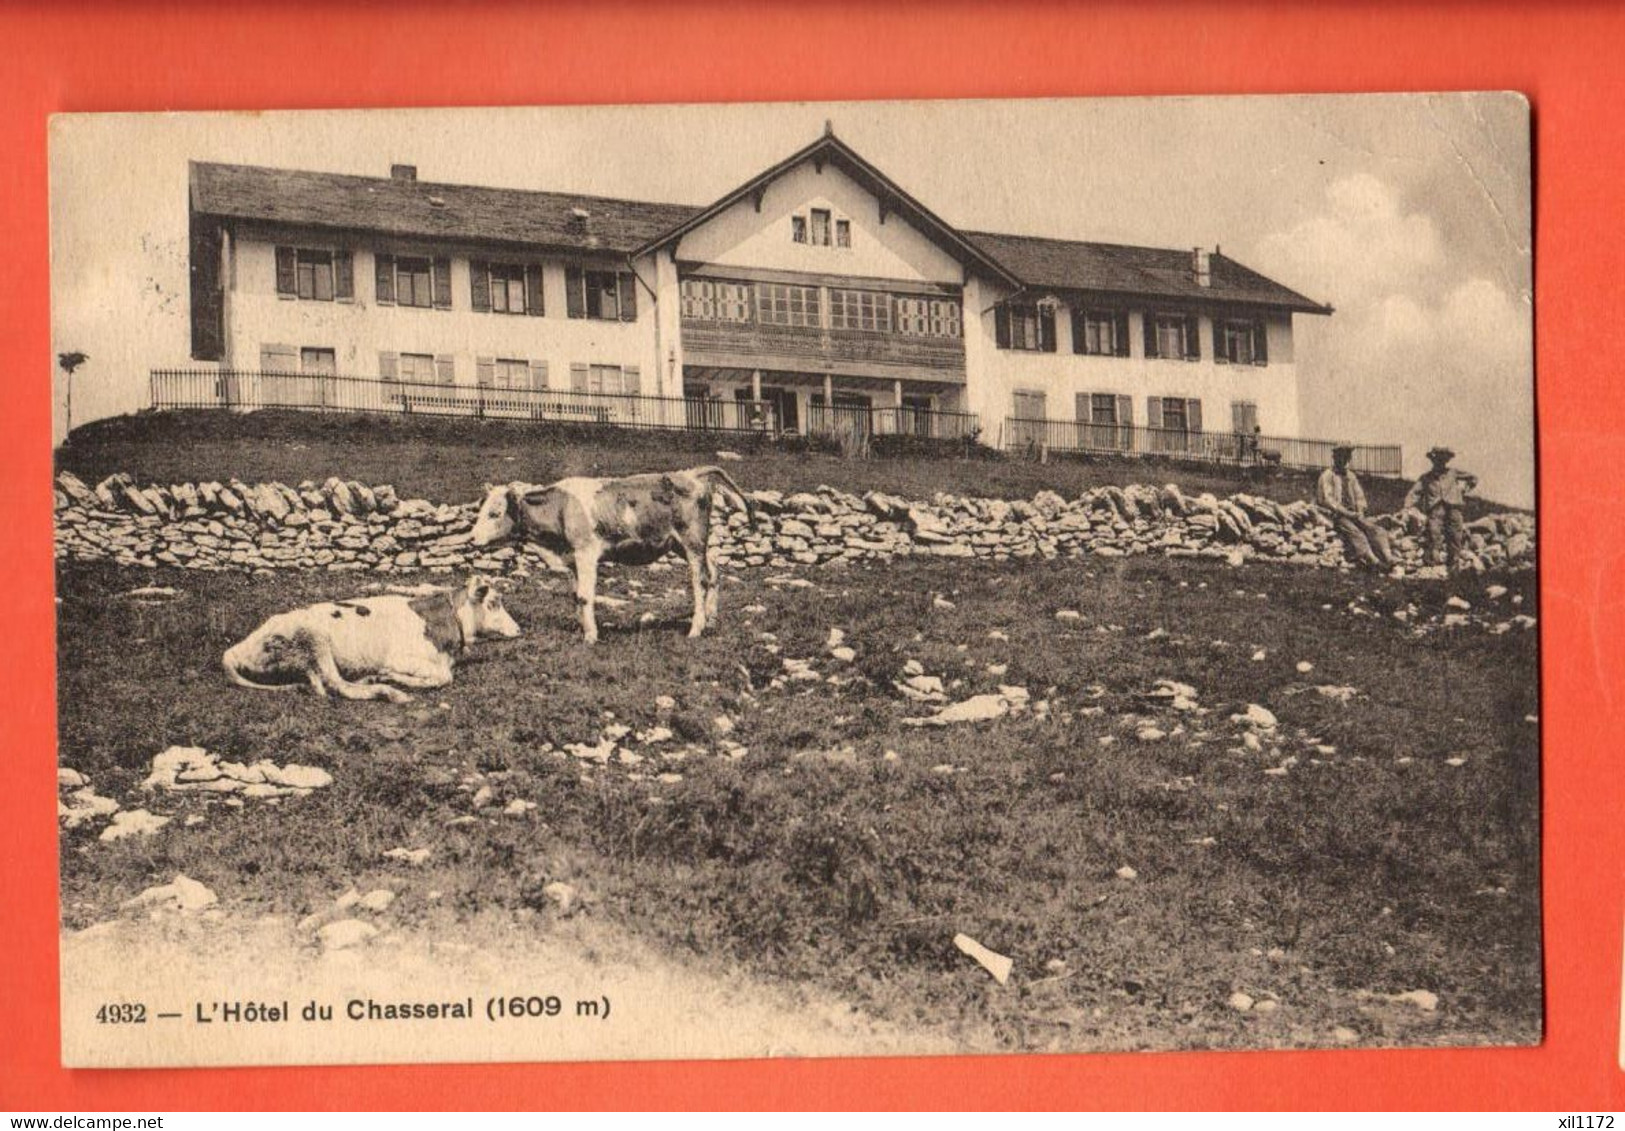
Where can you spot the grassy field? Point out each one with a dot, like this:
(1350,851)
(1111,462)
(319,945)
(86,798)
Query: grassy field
(449,460)
(845,848)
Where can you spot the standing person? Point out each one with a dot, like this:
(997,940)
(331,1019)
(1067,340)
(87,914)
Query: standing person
(1339,492)
(1441,495)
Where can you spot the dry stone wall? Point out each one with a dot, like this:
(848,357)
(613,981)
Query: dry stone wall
(350,526)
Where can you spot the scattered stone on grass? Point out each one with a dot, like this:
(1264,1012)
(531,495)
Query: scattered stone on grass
(976,709)
(376,900)
(1260,717)
(994,963)
(1240,1002)
(133,822)
(1305,667)
(192,769)
(181,894)
(562,895)
(1126,872)
(345,933)
(1425,1000)
(83,805)
(413,856)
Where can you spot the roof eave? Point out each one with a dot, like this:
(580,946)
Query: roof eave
(968,250)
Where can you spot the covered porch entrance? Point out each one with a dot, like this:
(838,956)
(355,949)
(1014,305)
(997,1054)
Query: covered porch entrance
(815,404)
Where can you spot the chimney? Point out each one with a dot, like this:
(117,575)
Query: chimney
(403,172)
(1201,267)
(581,218)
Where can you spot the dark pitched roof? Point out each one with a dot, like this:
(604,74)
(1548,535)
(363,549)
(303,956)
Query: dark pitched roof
(408,208)
(1119,268)
(832,149)
(622,227)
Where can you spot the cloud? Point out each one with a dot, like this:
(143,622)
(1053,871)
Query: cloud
(1419,351)
(1362,245)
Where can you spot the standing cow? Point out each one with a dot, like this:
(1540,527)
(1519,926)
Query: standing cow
(635,520)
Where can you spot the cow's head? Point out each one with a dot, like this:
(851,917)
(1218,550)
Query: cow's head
(495,520)
(485,615)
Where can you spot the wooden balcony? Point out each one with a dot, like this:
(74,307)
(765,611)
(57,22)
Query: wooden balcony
(859,353)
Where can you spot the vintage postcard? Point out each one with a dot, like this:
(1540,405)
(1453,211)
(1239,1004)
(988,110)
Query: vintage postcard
(796,580)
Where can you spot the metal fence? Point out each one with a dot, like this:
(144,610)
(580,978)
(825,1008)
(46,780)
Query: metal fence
(931,424)
(245,391)
(1031,436)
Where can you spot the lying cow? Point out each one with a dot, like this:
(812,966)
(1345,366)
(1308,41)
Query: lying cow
(635,520)
(354,646)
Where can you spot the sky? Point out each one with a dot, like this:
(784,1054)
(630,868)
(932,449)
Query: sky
(1410,214)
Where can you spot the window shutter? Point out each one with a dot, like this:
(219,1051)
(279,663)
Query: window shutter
(629,296)
(389,366)
(1150,334)
(286,281)
(1125,410)
(445,369)
(485,371)
(442,284)
(578,376)
(538,375)
(344,275)
(1001,326)
(385,275)
(1193,338)
(1238,417)
(575,296)
(279,359)
(1193,415)
(1261,343)
(479,284)
(1082,408)
(632,381)
(1077,334)
(1121,319)
(533,289)
(1046,329)
(1153,412)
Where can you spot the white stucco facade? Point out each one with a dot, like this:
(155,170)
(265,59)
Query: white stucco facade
(817,287)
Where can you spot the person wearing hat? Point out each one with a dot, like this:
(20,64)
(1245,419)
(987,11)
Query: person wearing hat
(1339,492)
(1441,495)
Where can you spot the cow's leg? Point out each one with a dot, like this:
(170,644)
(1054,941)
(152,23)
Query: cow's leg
(434,672)
(586,568)
(696,571)
(321,654)
(710,584)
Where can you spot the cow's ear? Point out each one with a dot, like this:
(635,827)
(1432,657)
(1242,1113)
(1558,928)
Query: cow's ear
(478,587)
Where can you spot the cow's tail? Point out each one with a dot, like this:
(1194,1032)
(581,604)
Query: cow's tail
(721,483)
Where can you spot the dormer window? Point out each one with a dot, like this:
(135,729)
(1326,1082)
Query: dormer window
(843,233)
(798,229)
(820,227)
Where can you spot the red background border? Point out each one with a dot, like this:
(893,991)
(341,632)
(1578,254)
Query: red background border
(198,56)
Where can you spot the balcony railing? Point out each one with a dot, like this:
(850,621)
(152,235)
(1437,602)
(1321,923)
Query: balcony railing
(310,392)
(245,391)
(726,341)
(1031,436)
